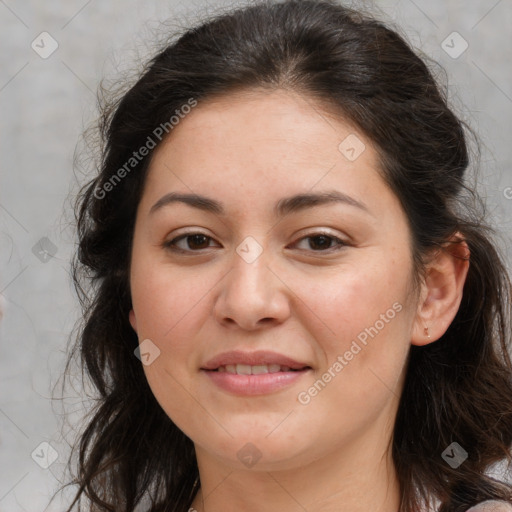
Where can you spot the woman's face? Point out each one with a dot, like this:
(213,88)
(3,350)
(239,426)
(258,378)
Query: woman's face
(257,278)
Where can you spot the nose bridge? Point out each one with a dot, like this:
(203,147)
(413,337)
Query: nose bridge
(249,275)
(250,291)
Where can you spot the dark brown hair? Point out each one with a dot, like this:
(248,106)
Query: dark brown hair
(457,389)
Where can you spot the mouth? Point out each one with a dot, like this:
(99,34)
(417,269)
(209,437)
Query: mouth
(260,369)
(253,363)
(254,373)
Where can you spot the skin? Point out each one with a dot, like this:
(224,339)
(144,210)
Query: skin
(248,151)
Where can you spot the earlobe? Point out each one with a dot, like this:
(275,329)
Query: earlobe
(133,320)
(441,292)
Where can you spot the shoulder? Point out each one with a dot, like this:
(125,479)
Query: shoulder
(491,506)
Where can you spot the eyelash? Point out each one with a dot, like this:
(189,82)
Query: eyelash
(170,245)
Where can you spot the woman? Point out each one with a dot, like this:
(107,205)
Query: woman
(296,306)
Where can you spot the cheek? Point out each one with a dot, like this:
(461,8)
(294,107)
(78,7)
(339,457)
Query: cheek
(165,300)
(169,306)
(351,302)
(362,322)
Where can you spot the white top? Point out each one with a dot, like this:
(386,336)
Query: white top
(491,506)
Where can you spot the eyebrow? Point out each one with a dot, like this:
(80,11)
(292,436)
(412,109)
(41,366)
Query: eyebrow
(283,207)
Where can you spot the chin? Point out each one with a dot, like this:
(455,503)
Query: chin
(259,453)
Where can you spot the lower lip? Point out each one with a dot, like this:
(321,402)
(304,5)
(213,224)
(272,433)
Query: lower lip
(261,384)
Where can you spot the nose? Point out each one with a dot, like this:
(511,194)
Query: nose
(252,295)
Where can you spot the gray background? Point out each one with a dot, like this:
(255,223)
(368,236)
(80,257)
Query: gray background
(45,105)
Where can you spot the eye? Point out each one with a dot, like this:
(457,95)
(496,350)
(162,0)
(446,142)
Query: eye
(321,242)
(193,242)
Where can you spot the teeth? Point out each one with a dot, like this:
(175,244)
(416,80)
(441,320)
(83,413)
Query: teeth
(257,370)
(245,369)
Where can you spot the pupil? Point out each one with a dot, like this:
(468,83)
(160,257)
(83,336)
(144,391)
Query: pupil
(321,237)
(195,238)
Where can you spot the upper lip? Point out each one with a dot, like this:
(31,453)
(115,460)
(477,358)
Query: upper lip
(259,357)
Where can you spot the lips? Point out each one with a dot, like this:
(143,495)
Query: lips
(241,373)
(253,363)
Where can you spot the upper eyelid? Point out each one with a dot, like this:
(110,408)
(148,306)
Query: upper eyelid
(302,234)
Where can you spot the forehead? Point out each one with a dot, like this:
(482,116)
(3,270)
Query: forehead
(262,144)
(276,119)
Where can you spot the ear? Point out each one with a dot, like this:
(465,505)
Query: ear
(441,291)
(133,320)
